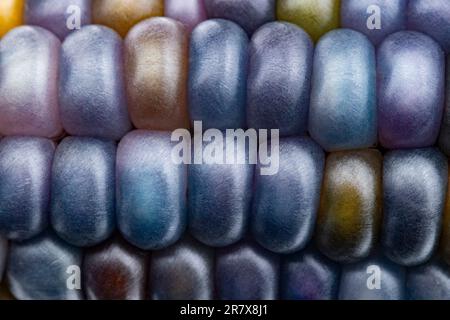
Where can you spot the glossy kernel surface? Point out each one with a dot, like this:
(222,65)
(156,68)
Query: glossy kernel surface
(151,190)
(156,66)
(25,174)
(285,204)
(279,79)
(414,189)
(184,271)
(350,210)
(37,269)
(411,87)
(29,105)
(343,110)
(309,275)
(432,18)
(115,270)
(219,197)
(83,194)
(91,84)
(218,74)
(246,271)
(429,281)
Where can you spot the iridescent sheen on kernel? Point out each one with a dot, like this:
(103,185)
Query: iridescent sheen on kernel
(91,84)
(83,194)
(432,18)
(246,271)
(189,12)
(411,71)
(285,204)
(430,281)
(122,15)
(38,269)
(29,59)
(156,66)
(363,16)
(343,111)
(184,271)
(219,197)
(11,15)
(309,275)
(58,16)
(350,208)
(374,278)
(249,14)
(279,80)
(414,187)
(115,270)
(218,74)
(25,173)
(316,17)
(151,190)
